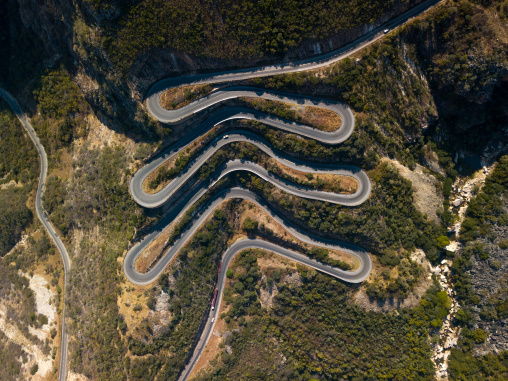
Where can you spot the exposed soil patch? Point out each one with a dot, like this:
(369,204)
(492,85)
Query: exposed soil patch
(210,355)
(427,199)
(390,304)
(36,356)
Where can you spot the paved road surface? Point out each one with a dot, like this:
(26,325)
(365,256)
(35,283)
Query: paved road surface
(179,208)
(44,219)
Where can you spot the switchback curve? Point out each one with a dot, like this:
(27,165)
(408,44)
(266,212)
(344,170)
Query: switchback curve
(177,210)
(174,116)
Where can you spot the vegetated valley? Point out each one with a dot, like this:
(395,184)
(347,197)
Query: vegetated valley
(430,107)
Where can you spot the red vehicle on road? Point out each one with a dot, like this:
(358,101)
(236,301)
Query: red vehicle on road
(214,298)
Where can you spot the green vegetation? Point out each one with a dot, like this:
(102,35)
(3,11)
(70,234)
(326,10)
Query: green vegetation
(98,202)
(18,163)
(313,330)
(465,366)
(249,224)
(314,327)
(98,193)
(485,209)
(231,29)
(62,109)
(9,356)
(54,197)
(386,225)
(486,212)
(34,369)
(18,157)
(14,217)
(190,296)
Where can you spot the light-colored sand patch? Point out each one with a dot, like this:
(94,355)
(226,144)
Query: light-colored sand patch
(44,298)
(71,376)
(427,199)
(161,316)
(44,304)
(11,183)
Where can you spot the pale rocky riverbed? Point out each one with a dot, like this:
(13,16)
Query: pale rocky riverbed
(463,191)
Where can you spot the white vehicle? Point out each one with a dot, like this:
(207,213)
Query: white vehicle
(225,137)
(213,308)
(386,31)
(213,319)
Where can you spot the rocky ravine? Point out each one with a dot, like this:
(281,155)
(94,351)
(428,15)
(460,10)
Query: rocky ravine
(463,191)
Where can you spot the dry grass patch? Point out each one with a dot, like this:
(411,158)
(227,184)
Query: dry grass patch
(426,198)
(61,166)
(252,211)
(319,118)
(325,182)
(132,304)
(211,355)
(178,97)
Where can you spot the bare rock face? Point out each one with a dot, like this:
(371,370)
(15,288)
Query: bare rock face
(458,202)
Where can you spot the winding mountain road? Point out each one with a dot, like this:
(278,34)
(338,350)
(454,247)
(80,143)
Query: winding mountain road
(177,209)
(62,374)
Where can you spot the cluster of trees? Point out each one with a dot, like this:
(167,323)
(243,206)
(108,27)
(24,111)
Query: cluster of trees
(485,211)
(232,29)
(10,356)
(164,174)
(462,365)
(97,202)
(18,157)
(62,108)
(18,162)
(486,208)
(195,278)
(179,97)
(313,331)
(14,217)
(55,194)
(389,120)
(386,223)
